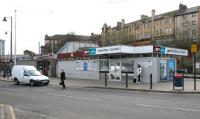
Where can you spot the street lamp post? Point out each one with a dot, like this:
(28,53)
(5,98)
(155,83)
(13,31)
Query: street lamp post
(15,38)
(5,19)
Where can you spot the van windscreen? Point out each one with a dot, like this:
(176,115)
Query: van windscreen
(34,73)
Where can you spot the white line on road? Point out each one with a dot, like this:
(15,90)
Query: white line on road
(20,89)
(68,96)
(171,108)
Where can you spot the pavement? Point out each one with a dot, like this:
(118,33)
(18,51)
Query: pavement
(164,87)
(6,112)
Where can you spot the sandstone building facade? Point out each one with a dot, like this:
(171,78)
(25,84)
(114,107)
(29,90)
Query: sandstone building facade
(175,28)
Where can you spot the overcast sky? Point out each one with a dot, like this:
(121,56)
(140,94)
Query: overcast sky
(35,18)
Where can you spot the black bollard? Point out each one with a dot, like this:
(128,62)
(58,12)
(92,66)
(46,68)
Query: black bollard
(183,81)
(151,81)
(126,80)
(105,79)
(173,81)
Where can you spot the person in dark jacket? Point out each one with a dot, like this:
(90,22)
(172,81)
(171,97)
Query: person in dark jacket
(62,77)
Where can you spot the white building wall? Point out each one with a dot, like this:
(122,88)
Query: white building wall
(149,66)
(75,69)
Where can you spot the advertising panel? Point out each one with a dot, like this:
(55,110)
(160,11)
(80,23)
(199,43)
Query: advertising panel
(163,70)
(171,66)
(103,65)
(86,66)
(79,65)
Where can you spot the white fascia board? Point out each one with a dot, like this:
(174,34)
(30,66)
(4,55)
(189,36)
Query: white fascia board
(108,50)
(143,49)
(124,49)
(127,49)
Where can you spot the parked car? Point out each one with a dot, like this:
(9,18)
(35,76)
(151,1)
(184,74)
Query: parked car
(181,71)
(29,75)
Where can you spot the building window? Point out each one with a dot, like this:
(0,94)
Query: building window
(170,30)
(185,28)
(185,32)
(164,31)
(193,31)
(167,21)
(139,27)
(193,22)
(193,37)
(163,21)
(184,24)
(185,36)
(158,22)
(157,32)
(130,29)
(193,14)
(145,25)
(167,31)
(170,20)
(160,31)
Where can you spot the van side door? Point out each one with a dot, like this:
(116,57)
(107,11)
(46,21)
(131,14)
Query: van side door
(26,77)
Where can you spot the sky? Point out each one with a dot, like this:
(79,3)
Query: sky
(36,18)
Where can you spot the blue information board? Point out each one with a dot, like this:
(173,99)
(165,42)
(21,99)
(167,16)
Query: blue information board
(85,66)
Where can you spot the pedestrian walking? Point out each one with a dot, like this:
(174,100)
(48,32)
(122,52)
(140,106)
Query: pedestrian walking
(62,77)
(4,74)
(139,72)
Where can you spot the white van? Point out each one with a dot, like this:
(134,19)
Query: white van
(28,74)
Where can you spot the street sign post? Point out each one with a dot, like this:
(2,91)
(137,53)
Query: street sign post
(194,49)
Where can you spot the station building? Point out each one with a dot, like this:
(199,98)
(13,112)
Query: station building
(119,60)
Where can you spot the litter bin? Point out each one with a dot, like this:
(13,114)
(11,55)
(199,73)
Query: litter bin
(178,80)
(134,80)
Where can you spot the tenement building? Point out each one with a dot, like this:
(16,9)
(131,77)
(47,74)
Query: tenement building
(2,47)
(175,28)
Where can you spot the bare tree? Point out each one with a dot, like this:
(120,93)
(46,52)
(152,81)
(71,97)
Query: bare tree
(183,36)
(183,39)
